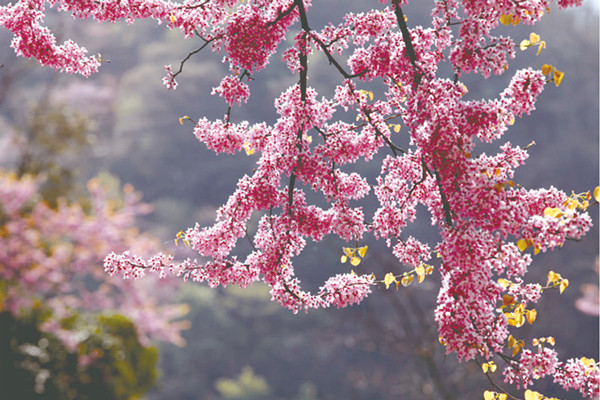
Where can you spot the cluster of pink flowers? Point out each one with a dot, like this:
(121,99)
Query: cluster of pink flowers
(480,212)
(579,374)
(532,366)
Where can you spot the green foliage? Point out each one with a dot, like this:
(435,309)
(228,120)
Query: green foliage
(110,364)
(247,386)
(51,136)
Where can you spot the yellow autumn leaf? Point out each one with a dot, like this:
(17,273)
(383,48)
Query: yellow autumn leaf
(397,128)
(531,395)
(516,350)
(511,341)
(493,366)
(541,45)
(484,368)
(348,251)
(597,194)
(249,150)
(370,95)
(534,38)
(531,315)
(407,280)
(420,270)
(553,277)
(362,251)
(546,69)
(536,250)
(355,261)
(442,341)
(588,362)
(421,278)
(504,282)
(507,299)
(502,396)
(552,212)
(563,285)
(551,340)
(558,76)
(524,44)
(506,19)
(522,244)
(389,279)
(343,259)
(429,270)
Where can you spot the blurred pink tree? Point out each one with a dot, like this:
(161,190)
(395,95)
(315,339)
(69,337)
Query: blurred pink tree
(52,257)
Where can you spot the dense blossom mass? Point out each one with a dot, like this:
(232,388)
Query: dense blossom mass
(489,226)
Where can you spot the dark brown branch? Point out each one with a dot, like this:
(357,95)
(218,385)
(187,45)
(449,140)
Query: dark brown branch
(410,50)
(395,149)
(206,43)
(334,62)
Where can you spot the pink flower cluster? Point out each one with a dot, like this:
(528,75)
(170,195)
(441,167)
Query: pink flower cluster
(480,212)
(532,366)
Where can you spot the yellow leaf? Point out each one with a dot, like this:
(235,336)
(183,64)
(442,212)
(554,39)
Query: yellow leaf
(516,350)
(370,95)
(534,38)
(484,368)
(506,19)
(355,261)
(362,251)
(420,270)
(507,299)
(249,150)
(597,194)
(343,259)
(348,251)
(531,395)
(396,128)
(541,46)
(511,341)
(407,280)
(531,315)
(524,44)
(563,285)
(429,270)
(552,212)
(389,279)
(502,396)
(536,250)
(553,277)
(551,340)
(522,244)
(493,366)
(442,341)
(504,282)
(421,278)
(546,69)
(535,341)
(515,20)
(558,76)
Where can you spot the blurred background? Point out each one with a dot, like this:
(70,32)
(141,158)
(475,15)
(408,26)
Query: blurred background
(121,126)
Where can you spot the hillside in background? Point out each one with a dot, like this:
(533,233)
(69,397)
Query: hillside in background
(384,349)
